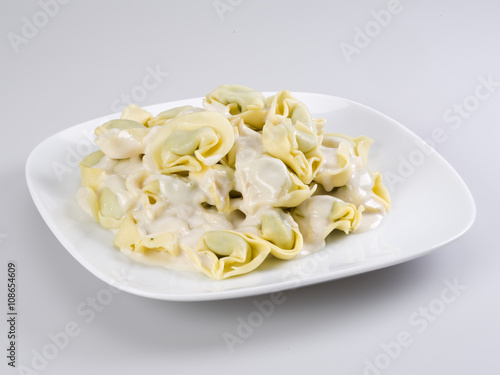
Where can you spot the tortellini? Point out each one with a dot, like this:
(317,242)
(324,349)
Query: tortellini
(239,102)
(109,202)
(284,105)
(290,134)
(189,141)
(282,232)
(218,182)
(296,146)
(320,215)
(169,114)
(121,139)
(267,181)
(92,174)
(135,113)
(131,237)
(222,187)
(222,254)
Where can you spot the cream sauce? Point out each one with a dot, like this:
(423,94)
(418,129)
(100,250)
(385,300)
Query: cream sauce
(260,178)
(119,144)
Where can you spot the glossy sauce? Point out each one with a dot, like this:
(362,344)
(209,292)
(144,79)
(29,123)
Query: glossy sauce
(261,179)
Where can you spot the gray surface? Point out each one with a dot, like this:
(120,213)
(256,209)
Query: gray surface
(428,58)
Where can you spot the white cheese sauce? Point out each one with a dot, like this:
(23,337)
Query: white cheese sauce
(186,205)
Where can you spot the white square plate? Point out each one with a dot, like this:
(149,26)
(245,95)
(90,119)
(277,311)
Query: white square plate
(431,206)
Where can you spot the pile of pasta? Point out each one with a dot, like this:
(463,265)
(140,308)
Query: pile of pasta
(220,188)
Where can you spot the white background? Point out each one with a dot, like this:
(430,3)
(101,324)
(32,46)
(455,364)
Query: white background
(80,60)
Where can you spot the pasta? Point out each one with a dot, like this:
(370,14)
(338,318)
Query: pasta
(219,188)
